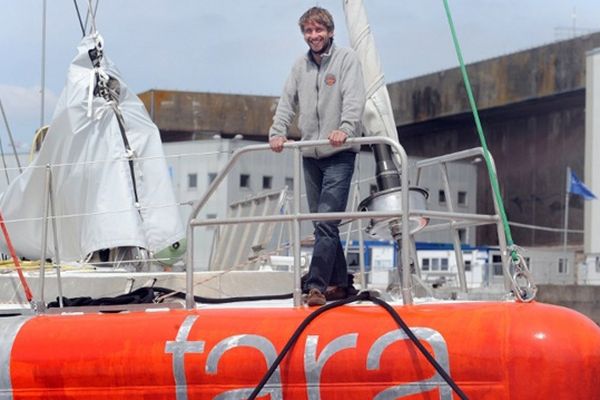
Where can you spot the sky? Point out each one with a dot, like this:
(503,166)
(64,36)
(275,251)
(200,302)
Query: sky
(248,46)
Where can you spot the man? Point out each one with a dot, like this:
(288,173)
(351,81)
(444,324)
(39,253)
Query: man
(326,88)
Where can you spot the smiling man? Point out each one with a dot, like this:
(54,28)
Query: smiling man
(326,88)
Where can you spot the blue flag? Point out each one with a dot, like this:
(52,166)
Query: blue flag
(577,187)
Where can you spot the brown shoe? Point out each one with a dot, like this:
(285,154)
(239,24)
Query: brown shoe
(315,298)
(335,293)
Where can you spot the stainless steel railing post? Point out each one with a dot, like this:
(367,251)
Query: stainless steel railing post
(296,230)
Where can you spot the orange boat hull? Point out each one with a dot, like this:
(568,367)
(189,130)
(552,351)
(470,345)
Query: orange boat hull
(491,350)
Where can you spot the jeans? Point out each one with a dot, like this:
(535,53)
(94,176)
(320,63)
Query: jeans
(327,183)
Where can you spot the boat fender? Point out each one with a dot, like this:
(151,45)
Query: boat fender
(362,296)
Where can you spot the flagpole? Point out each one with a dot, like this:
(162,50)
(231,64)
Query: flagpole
(566,225)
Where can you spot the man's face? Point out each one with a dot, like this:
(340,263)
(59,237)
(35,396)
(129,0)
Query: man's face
(316,36)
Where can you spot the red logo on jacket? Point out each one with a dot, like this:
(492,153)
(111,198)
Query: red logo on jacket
(330,79)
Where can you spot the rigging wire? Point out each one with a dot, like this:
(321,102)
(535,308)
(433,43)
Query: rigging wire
(93,14)
(2,147)
(79,18)
(10,137)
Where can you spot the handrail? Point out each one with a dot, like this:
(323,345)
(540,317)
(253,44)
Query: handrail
(401,158)
(459,155)
(456,219)
(490,164)
(475,218)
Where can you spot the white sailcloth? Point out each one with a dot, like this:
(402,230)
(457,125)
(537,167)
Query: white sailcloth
(92,184)
(378,118)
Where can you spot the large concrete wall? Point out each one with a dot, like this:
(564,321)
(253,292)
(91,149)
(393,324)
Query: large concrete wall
(190,115)
(532,143)
(511,79)
(584,299)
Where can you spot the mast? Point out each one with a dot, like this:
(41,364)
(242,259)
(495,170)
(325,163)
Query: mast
(378,120)
(43,80)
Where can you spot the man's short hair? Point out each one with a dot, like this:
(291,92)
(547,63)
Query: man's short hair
(318,15)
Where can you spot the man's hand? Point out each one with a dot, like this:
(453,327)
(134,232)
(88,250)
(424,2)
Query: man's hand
(276,143)
(337,138)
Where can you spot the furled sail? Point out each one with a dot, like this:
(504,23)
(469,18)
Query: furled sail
(378,118)
(110,182)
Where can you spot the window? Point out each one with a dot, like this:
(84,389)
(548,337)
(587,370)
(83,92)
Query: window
(353,261)
(211,216)
(497,265)
(435,264)
(444,264)
(441,197)
(267,182)
(462,198)
(425,264)
(244,180)
(211,177)
(528,263)
(289,182)
(563,266)
(192,181)
(462,235)
(498,270)
(467,265)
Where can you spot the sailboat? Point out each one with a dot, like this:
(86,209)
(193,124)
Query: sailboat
(409,349)
(104,159)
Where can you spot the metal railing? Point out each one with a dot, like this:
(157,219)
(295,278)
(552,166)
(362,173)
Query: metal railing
(455,220)
(295,217)
(460,220)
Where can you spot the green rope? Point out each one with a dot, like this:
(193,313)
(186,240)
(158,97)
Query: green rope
(486,153)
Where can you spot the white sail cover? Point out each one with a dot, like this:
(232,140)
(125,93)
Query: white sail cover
(378,118)
(94,200)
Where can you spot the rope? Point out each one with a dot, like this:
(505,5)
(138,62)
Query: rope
(528,292)
(91,17)
(107,212)
(544,228)
(486,153)
(94,13)
(13,254)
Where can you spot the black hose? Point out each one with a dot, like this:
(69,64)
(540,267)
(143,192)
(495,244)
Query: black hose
(420,346)
(146,295)
(361,296)
(298,332)
(211,300)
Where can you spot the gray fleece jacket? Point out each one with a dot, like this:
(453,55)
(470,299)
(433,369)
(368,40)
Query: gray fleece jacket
(329,96)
